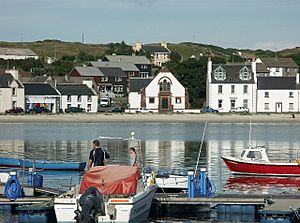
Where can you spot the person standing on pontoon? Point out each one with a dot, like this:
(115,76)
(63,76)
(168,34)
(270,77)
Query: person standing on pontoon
(98,156)
(133,157)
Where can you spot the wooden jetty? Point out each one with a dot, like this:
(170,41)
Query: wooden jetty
(25,200)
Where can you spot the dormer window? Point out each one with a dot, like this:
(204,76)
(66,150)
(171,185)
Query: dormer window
(245,74)
(220,74)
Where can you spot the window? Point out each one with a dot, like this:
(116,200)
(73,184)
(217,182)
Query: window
(130,74)
(266,94)
(118,79)
(291,106)
(165,86)
(79,98)
(144,74)
(267,106)
(118,88)
(178,100)
(14,91)
(151,100)
(291,94)
(68,105)
(232,89)
(220,89)
(14,104)
(245,89)
(89,107)
(245,74)
(79,106)
(89,98)
(69,98)
(220,74)
(232,104)
(245,103)
(220,101)
(104,79)
(277,69)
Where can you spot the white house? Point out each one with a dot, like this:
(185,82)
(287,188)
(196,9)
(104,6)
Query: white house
(231,85)
(279,66)
(78,95)
(163,93)
(41,95)
(278,94)
(16,53)
(11,91)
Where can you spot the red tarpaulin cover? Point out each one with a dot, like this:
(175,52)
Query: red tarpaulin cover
(117,179)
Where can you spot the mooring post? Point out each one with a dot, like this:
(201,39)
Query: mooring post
(203,182)
(191,188)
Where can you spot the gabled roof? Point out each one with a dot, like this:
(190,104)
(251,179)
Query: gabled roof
(155,49)
(232,73)
(137,84)
(6,79)
(74,89)
(39,89)
(261,68)
(127,59)
(279,62)
(16,51)
(124,66)
(112,72)
(89,71)
(277,83)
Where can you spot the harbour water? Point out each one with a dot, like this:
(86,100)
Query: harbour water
(168,146)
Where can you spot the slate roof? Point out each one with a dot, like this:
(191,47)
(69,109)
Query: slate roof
(39,79)
(137,84)
(124,66)
(89,71)
(277,83)
(127,59)
(232,73)
(155,49)
(6,79)
(74,89)
(279,62)
(261,68)
(112,72)
(16,51)
(39,89)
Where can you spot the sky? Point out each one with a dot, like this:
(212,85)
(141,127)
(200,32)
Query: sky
(242,24)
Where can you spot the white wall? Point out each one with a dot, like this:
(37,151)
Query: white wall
(16,57)
(226,96)
(43,99)
(83,103)
(177,90)
(277,96)
(6,97)
(134,99)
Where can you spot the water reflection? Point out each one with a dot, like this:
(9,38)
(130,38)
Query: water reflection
(160,145)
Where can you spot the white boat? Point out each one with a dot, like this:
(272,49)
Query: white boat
(107,194)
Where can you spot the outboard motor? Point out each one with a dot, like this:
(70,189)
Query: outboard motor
(92,204)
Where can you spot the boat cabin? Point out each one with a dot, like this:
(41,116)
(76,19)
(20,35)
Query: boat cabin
(257,153)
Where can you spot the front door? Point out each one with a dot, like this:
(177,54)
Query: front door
(278,107)
(165,104)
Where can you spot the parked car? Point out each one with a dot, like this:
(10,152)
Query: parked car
(116,109)
(143,110)
(74,110)
(104,102)
(209,110)
(14,110)
(240,109)
(39,110)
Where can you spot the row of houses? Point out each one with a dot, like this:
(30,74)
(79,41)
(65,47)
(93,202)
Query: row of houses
(55,97)
(263,85)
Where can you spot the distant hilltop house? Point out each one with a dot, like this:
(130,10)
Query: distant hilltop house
(160,54)
(162,93)
(17,53)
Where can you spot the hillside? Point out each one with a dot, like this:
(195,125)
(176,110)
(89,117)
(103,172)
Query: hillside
(52,48)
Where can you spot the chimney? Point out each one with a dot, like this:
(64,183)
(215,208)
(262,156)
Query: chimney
(297,78)
(209,69)
(13,72)
(253,67)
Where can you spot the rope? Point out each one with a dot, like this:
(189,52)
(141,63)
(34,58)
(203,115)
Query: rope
(200,148)
(13,189)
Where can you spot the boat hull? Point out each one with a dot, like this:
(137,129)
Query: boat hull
(48,165)
(10,162)
(265,168)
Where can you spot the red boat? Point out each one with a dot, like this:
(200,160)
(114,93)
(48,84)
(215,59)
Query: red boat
(254,161)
